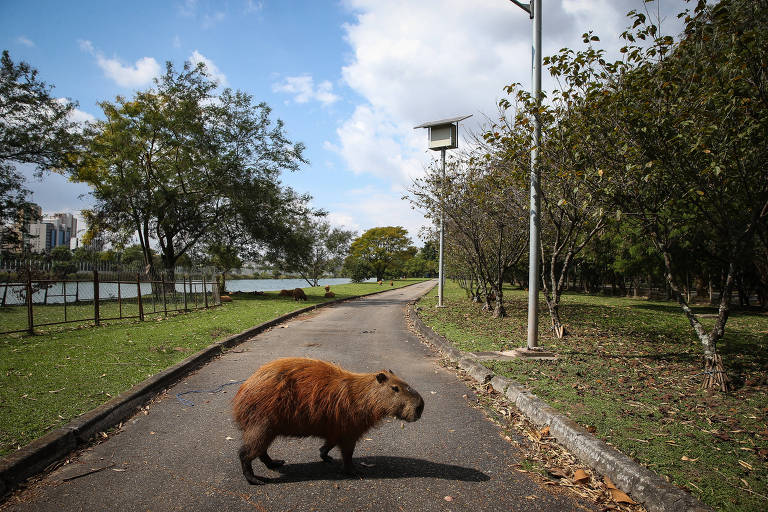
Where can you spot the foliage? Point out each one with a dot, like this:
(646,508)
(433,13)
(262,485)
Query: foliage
(180,164)
(36,129)
(317,249)
(379,252)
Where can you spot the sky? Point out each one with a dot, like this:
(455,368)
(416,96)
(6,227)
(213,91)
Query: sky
(349,78)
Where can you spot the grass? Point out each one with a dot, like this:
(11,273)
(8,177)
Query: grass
(630,371)
(63,371)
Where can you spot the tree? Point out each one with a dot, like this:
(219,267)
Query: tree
(35,129)
(379,252)
(186,167)
(679,133)
(224,258)
(317,250)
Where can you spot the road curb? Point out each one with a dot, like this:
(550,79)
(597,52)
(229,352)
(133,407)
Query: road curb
(45,451)
(645,486)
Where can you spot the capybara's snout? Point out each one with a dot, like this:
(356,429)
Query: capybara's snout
(415,407)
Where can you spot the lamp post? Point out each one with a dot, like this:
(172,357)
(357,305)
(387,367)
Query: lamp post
(534,11)
(443,135)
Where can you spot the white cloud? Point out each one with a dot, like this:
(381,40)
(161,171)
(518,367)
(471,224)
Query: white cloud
(304,90)
(176,41)
(77,115)
(139,74)
(210,20)
(419,61)
(251,6)
(212,69)
(25,41)
(187,8)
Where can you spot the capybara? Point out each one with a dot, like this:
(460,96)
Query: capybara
(298,294)
(298,397)
(327,288)
(226,298)
(285,293)
(329,295)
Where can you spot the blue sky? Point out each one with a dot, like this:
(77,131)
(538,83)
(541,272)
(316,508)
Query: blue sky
(349,78)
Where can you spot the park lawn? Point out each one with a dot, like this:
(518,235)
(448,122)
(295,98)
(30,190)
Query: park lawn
(630,371)
(63,371)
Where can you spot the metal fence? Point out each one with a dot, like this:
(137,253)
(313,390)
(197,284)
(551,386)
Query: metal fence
(44,293)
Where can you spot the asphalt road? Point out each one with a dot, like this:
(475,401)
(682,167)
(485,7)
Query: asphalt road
(181,457)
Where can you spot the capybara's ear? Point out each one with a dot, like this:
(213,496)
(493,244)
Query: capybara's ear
(381,377)
(390,371)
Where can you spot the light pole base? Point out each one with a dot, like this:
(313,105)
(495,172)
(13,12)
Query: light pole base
(532,354)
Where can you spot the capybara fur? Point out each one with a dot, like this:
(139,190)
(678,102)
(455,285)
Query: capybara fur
(298,397)
(285,293)
(226,298)
(298,294)
(327,288)
(329,295)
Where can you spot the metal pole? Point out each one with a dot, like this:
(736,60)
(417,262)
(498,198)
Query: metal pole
(533,254)
(441,275)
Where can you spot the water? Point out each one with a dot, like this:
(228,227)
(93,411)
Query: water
(269,285)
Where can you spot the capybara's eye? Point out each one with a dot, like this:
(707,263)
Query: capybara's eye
(395,389)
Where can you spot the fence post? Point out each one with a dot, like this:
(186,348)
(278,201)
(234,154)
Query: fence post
(64,294)
(184,277)
(138,295)
(96,296)
(30,319)
(162,283)
(119,298)
(205,292)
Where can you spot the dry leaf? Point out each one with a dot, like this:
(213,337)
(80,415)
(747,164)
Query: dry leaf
(621,497)
(744,464)
(609,483)
(545,431)
(557,472)
(687,459)
(580,476)
(448,498)
(228,438)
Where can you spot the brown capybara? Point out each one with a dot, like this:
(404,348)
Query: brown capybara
(298,397)
(327,288)
(226,298)
(329,295)
(285,293)
(298,294)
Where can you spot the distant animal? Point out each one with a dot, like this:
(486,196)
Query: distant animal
(285,293)
(381,282)
(258,293)
(327,288)
(391,283)
(226,298)
(329,295)
(298,294)
(298,397)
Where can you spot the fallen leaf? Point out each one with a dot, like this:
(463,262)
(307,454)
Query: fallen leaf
(545,431)
(687,459)
(621,497)
(609,483)
(118,469)
(744,464)
(448,498)
(580,476)
(557,472)
(228,438)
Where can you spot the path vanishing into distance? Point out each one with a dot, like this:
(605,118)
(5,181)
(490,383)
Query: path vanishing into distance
(180,457)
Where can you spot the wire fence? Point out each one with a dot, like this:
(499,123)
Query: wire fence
(43,293)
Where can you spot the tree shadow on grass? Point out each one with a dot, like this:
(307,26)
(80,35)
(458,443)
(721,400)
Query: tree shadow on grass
(378,467)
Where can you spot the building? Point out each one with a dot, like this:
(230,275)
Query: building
(52,231)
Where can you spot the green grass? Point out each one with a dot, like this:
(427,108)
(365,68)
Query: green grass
(63,371)
(630,371)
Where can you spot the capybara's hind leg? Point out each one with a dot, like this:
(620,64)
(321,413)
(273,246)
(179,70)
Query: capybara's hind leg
(270,462)
(256,441)
(246,457)
(328,446)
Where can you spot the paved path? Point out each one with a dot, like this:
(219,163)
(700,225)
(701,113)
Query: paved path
(178,457)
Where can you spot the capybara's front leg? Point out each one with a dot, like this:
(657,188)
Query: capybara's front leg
(347,449)
(256,441)
(328,446)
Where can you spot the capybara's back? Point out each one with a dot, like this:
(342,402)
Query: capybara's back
(298,294)
(301,397)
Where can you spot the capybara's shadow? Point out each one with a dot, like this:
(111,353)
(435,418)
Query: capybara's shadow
(376,467)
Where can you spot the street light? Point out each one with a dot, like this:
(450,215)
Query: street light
(534,11)
(443,134)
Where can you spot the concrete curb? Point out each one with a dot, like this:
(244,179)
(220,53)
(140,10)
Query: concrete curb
(45,451)
(645,486)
